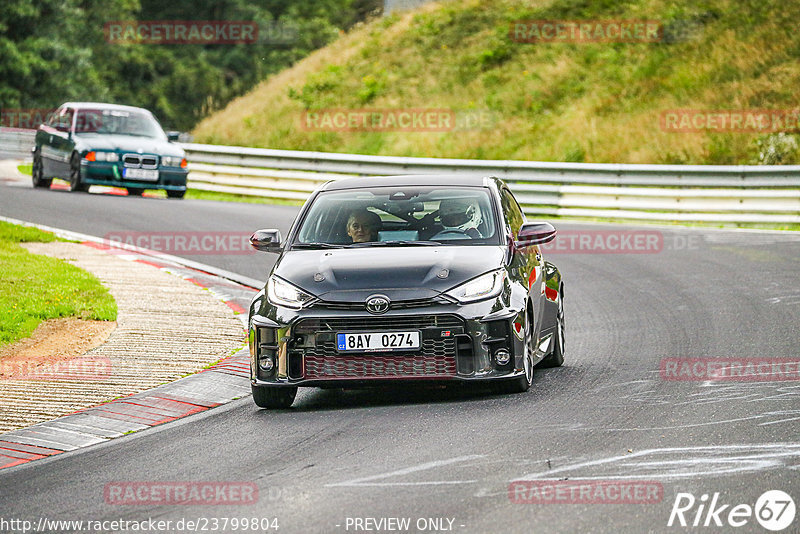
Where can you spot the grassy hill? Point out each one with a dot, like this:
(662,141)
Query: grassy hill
(593,102)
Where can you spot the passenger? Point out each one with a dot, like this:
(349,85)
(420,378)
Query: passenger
(363,226)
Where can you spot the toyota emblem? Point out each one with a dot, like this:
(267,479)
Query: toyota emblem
(377,304)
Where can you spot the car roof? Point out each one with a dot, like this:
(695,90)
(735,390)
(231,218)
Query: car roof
(101,105)
(409,180)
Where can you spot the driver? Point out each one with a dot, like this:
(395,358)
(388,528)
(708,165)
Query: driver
(460,216)
(363,226)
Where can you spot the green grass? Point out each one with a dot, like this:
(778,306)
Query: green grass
(228,197)
(592,102)
(34,288)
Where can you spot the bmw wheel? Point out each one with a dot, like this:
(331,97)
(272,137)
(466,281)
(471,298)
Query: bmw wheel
(75,181)
(37,173)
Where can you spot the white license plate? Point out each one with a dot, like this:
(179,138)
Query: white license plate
(377,341)
(140,174)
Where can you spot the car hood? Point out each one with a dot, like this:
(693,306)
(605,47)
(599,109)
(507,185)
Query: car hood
(400,273)
(129,143)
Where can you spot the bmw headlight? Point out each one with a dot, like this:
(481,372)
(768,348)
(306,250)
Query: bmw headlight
(99,155)
(482,287)
(282,293)
(173,161)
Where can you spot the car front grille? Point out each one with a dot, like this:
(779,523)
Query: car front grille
(435,359)
(395,305)
(378,322)
(139,161)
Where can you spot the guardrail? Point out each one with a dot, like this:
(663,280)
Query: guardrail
(686,193)
(707,193)
(16,142)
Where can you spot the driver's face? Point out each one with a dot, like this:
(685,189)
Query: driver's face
(360,230)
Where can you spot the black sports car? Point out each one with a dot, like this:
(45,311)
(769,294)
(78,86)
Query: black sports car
(405,278)
(105,144)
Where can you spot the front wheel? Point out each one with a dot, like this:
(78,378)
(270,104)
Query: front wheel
(522,383)
(135,191)
(75,179)
(37,173)
(556,357)
(273,397)
(176,194)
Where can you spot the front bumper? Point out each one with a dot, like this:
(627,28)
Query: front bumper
(110,174)
(458,344)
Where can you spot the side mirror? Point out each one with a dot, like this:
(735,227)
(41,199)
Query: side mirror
(535,233)
(173,136)
(266,240)
(62,127)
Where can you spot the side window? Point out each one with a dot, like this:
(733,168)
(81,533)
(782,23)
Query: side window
(52,119)
(511,211)
(68,119)
(64,121)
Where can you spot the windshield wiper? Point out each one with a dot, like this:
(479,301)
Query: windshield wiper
(317,245)
(396,243)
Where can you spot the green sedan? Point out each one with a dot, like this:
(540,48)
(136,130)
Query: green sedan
(104,144)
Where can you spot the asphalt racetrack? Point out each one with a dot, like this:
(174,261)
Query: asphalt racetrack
(444,459)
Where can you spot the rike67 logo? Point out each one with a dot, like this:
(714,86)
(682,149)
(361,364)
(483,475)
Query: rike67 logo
(774,510)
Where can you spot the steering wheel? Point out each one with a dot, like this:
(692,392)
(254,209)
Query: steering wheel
(451,234)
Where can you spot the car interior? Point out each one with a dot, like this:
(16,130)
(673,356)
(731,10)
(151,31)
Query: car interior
(404,216)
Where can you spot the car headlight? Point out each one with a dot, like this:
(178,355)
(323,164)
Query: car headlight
(173,161)
(282,293)
(483,287)
(98,155)
(95,155)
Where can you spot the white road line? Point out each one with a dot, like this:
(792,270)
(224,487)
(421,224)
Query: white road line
(696,461)
(367,481)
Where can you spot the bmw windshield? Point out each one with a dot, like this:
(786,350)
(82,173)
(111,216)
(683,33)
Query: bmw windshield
(118,122)
(388,216)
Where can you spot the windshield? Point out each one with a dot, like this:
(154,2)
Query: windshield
(118,121)
(391,216)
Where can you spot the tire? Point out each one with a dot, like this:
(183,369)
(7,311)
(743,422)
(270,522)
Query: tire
(176,194)
(556,357)
(521,384)
(75,180)
(37,174)
(135,191)
(273,397)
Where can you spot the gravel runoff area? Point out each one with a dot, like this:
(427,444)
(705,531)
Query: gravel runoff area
(167,327)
